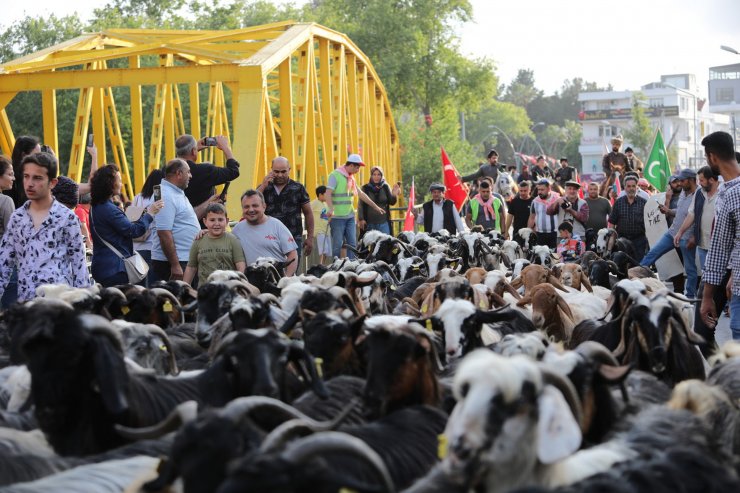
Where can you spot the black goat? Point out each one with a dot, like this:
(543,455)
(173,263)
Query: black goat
(81,387)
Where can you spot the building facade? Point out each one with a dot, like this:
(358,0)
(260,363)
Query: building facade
(674,105)
(724,93)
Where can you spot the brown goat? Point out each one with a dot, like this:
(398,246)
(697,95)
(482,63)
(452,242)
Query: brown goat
(572,275)
(550,312)
(476,275)
(532,275)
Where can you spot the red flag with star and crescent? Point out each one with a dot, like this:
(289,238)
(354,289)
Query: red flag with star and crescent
(457,191)
(408,223)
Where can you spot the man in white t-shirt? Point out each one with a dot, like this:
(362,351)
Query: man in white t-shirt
(262,235)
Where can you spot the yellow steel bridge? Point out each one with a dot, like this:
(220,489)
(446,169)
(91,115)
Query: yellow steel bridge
(295,89)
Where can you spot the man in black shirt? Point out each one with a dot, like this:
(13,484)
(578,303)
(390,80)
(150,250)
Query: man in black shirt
(542,170)
(205,176)
(286,200)
(565,173)
(518,209)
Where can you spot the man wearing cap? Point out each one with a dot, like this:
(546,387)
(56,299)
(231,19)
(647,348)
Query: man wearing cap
(340,209)
(545,224)
(615,159)
(687,178)
(722,268)
(439,213)
(575,209)
(628,215)
(671,199)
(565,173)
(490,168)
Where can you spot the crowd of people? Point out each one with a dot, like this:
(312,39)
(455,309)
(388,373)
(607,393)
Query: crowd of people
(178,223)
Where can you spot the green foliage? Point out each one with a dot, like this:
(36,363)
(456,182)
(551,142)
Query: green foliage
(32,34)
(640,132)
(421,153)
(563,105)
(482,134)
(522,90)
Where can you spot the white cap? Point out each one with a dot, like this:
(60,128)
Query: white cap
(355,159)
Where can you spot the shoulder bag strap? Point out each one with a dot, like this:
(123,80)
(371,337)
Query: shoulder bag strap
(113,249)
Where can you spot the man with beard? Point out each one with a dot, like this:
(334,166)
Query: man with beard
(671,199)
(701,213)
(565,173)
(262,235)
(286,200)
(599,208)
(628,217)
(575,209)
(545,224)
(615,158)
(491,168)
(687,177)
(519,208)
(633,162)
(542,170)
(722,267)
(487,210)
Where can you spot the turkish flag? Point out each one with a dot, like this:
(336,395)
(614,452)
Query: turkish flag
(457,191)
(617,185)
(408,223)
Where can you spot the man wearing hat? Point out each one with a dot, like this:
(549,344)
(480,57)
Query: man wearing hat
(575,209)
(687,177)
(490,168)
(565,173)
(615,158)
(633,162)
(540,220)
(439,213)
(340,190)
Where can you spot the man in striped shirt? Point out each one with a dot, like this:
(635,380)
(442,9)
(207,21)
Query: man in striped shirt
(724,248)
(546,225)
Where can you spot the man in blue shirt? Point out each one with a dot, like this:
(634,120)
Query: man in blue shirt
(176,224)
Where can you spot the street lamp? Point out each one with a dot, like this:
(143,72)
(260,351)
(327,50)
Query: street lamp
(511,144)
(696,129)
(730,49)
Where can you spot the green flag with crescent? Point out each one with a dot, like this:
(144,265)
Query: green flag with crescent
(657,167)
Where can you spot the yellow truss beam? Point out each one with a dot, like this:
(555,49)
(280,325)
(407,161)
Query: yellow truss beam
(296,89)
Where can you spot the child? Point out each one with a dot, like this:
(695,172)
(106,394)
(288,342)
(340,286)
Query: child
(570,247)
(321,224)
(217,250)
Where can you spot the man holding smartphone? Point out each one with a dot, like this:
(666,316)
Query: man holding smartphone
(206,176)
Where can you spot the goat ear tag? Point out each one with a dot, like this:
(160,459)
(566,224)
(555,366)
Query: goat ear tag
(167,307)
(395,251)
(441,446)
(393,287)
(125,310)
(429,325)
(558,433)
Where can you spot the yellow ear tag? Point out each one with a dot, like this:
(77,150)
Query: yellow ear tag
(482,304)
(441,446)
(429,325)
(453,264)
(424,308)
(163,348)
(125,310)
(318,362)
(167,307)
(393,287)
(395,251)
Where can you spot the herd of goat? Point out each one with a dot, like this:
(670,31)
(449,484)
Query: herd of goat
(432,363)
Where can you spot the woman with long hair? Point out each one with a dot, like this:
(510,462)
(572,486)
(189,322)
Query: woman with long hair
(145,198)
(109,223)
(7,178)
(380,193)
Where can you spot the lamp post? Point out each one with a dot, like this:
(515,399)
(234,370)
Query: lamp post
(526,136)
(696,130)
(730,49)
(511,144)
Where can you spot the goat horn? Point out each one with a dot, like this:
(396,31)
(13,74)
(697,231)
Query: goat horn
(597,352)
(240,407)
(567,389)
(101,325)
(387,268)
(333,441)
(351,248)
(117,292)
(183,413)
(280,436)
(156,330)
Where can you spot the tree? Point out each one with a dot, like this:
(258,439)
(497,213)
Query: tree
(522,90)
(481,134)
(640,132)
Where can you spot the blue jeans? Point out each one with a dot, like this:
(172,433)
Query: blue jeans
(702,252)
(343,230)
(734,316)
(10,295)
(689,265)
(382,227)
(661,247)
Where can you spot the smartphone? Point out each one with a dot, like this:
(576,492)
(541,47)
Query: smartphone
(210,142)
(90,140)
(157,193)
(222,197)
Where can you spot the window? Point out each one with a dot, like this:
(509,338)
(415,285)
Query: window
(603,105)
(656,102)
(684,103)
(607,130)
(725,94)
